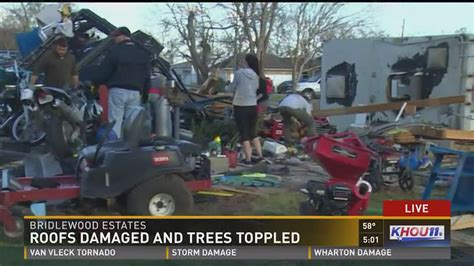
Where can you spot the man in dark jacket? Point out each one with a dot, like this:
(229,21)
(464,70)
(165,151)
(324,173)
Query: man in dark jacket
(126,72)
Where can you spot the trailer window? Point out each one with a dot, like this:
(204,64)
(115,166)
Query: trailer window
(406,87)
(341,84)
(437,59)
(336,86)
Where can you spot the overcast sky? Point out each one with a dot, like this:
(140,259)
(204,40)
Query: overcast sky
(420,18)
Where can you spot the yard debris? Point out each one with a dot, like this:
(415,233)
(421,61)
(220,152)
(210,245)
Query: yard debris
(404,137)
(274,148)
(251,180)
(219,193)
(462,222)
(236,190)
(273,169)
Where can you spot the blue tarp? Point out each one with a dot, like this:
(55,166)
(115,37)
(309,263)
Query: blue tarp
(28,41)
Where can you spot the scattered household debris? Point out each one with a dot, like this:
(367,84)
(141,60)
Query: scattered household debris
(251,180)
(462,222)
(214,192)
(460,189)
(274,148)
(443,133)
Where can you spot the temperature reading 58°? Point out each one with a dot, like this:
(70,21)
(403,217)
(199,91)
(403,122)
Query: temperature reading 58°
(371,226)
(368,225)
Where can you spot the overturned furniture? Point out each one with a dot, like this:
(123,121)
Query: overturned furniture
(462,178)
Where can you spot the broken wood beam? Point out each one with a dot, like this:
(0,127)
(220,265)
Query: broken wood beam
(373,108)
(462,222)
(442,133)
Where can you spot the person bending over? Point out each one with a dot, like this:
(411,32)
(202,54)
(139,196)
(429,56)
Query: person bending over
(296,106)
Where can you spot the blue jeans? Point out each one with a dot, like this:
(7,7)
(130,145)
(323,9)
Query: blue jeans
(120,101)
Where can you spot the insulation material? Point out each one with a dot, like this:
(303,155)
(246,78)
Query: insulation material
(336,86)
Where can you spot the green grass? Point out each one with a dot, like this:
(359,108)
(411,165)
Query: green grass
(272,202)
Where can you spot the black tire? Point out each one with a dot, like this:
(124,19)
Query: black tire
(405,179)
(139,199)
(16,236)
(55,137)
(306,208)
(375,178)
(15,128)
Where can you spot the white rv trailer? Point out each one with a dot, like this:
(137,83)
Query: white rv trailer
(359,72)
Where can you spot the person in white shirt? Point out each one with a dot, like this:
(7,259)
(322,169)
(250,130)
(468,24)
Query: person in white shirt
(296,106)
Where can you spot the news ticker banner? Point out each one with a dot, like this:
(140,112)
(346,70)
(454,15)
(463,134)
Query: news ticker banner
(237,237)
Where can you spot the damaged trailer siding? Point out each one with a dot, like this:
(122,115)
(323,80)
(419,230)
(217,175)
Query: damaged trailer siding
(373,71)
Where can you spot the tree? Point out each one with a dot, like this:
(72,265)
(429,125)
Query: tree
(279,41)
(257,21)
(232,38)
(21,15)
(18,17)
(462,30)
(193,24)
(311,24)
(171,50)
(7,39)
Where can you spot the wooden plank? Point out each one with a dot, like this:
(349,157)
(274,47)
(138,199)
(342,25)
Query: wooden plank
(442,133)
(373,108)
(410,110)
(458,134)
(462,222)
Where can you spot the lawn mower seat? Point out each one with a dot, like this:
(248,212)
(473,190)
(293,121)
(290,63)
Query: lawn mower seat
(132,134)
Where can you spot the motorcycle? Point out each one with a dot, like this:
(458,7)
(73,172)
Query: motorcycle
(69,118)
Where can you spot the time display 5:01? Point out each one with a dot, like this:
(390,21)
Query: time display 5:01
(371,239)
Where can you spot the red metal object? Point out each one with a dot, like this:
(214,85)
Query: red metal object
(342,149)
(346,159)
(273,128)
(277,129)
(68,189)
(103,101)
(197,185)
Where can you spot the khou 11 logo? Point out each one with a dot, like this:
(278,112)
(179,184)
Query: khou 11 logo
(407,233)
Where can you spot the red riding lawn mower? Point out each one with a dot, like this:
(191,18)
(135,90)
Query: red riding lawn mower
(347,160)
